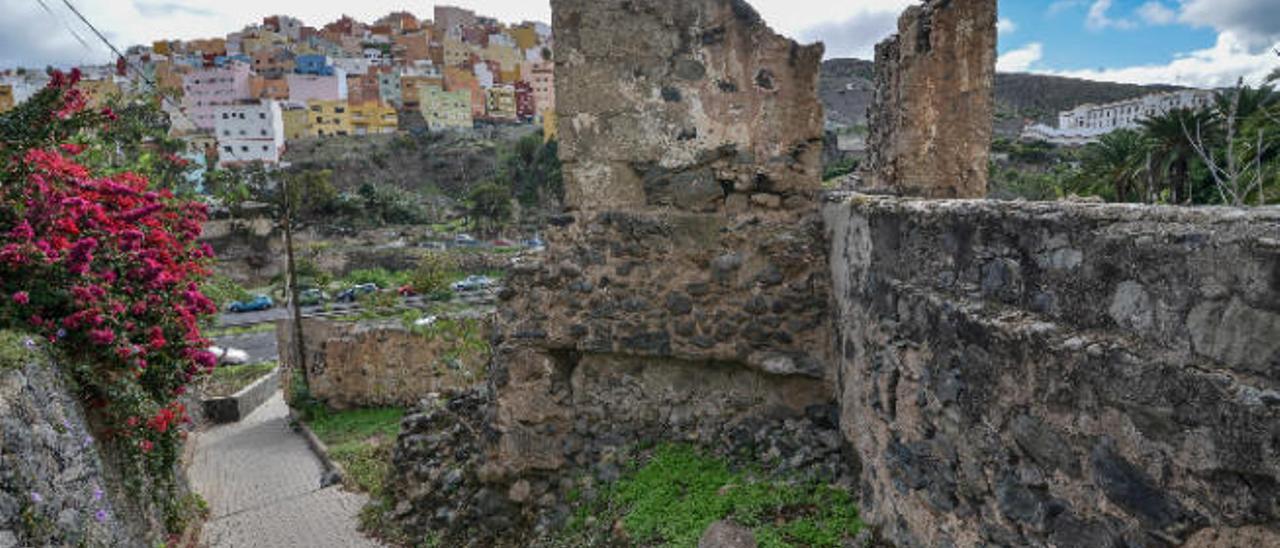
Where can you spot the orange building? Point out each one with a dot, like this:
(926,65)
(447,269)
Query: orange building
(410,86)
(269,88)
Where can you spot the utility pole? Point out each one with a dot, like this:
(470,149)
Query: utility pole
(300,346)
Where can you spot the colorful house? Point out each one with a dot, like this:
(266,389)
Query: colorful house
(409,86)
(372,118)
(328,118)
(542,77)
(389,88)
(317,65)
(445,109)
(276,88)
(206,89)
(296,121)
(500,103)
(308,87)
(249,131)
(525,107)
(461,78)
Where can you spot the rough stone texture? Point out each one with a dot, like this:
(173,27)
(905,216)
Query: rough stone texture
(361,365)
(931,114)
(696,100)
(50,467)
(1060,374)
(727,534)
(263,486)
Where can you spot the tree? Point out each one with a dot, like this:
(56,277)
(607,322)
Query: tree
(431,275)
(490,202)
(1238,148)
(1116,161)
(531,168)
(1171,153)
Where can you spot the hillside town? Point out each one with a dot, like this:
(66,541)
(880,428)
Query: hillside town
(243,97)
(1088,122)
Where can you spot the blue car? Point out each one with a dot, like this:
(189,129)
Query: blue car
(258,304)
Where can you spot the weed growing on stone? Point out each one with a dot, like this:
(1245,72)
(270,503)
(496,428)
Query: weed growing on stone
(671,499)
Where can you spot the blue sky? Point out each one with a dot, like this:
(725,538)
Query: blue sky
(1204,43)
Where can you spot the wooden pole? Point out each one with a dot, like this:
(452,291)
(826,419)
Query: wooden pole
(300,347)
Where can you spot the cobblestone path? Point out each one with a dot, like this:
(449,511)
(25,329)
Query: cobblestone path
(262,484)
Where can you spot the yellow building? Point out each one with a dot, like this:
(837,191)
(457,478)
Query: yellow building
(525,37)
(548,125)
(508,58)
(372,118)
(160,47)
(328,118)
(445,109)
(98,92)
(6,97)
(296,123)
(500,103)
(456,52)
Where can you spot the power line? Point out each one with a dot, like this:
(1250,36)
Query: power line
(65,25)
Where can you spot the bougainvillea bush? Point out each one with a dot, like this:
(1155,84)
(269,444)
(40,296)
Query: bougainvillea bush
(107,269)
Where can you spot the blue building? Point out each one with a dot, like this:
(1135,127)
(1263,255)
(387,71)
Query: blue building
(313,64)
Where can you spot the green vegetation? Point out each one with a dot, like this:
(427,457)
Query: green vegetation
(840,169)
(360,440)
(15,351)
(671,499)
(224,291)
(226,380)
(432,275)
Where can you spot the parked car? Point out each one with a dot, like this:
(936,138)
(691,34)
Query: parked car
(534,243)
(473,283)
(352,293)
(407,290)
(230,356)
(257,304)
(312,297)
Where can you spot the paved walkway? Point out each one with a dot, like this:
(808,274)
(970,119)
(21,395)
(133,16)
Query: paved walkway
(262,484)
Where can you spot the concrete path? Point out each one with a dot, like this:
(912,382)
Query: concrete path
(262,484)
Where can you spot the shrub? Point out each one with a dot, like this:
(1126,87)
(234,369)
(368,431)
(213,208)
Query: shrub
(431,276)
(107,269)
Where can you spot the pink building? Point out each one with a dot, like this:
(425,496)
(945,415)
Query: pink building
(205,90)
(542,77)
(311,87)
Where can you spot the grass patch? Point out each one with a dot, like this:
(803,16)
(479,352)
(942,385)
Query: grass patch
(226,380)
(14,350)
(679,492)
(360,440)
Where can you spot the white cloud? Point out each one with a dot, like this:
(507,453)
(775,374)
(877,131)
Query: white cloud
(1255,22)
(1099,20)
(1218,66)
(1156,13)
(1006,26)
(1021,59)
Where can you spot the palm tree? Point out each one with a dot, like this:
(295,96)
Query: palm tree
(1171,151)
(1117,160)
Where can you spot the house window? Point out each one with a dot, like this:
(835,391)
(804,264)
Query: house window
(227,148)
(264,148)
(262,115)
(244,149)
(263,132)
(224,116)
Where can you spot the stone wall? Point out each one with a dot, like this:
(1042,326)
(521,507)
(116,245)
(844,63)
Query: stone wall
(352,365)
(1061,374)
(931,112)
(51,466)
(687,286)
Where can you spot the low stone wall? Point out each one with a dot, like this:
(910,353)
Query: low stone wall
(361,365)
(236,407)
(1060,374)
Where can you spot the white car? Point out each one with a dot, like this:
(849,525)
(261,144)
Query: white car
(230,356)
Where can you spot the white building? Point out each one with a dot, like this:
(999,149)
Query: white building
(249,131)
(1086,123)
(356,66)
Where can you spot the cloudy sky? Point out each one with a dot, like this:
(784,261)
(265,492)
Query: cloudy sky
(1191,42)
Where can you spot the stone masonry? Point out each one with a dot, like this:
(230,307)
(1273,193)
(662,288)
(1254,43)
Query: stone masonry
(1061,374)
(354,365)
(931,113)
(686,290)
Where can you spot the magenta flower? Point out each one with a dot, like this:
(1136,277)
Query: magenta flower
(21,297)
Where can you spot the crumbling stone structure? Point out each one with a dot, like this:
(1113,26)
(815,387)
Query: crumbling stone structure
(931,113)
(686,289)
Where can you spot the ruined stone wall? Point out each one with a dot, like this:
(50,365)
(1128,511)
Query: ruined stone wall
(687,289)
(931,113)
(352,365)
(1061,374)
